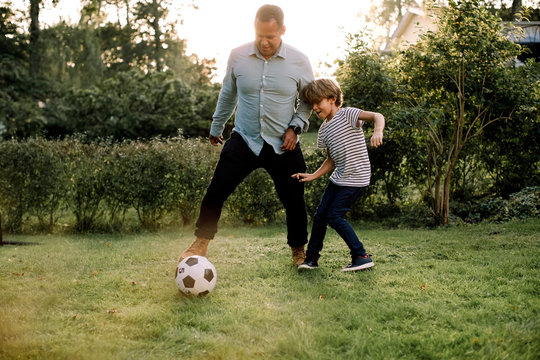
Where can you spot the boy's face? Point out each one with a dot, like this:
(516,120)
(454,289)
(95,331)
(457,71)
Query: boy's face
(325,109)
(268,37)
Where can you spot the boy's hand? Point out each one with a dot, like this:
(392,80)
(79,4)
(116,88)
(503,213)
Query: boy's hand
(376,139)
(303,177)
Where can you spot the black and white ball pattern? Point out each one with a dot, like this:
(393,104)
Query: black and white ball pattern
(196,275)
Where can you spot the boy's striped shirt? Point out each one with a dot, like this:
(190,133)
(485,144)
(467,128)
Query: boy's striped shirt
(344,138)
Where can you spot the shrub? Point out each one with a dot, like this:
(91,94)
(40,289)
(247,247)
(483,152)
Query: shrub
(520,205)
(164,179)
(196,161)
(149,176)
(314,189)
(255,201)
(523,204)
(33,181)
(130,105)
(86,163)
(157,179)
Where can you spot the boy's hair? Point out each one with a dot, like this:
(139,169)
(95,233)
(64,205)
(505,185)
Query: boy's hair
(269,13)
(320,89)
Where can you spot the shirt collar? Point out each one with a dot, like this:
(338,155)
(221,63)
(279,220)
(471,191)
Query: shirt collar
(282,51)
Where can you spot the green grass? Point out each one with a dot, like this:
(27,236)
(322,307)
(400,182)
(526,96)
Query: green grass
(309,140)
(452,293)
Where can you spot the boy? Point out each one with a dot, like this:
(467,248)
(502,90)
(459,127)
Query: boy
(342,136)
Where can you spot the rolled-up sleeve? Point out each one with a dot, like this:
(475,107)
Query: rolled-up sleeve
(301,115)
(228,99)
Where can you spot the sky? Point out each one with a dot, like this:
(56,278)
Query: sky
(316,27)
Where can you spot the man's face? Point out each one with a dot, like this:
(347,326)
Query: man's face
(268,37)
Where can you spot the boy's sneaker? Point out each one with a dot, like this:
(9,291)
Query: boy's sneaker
(309,264)
(359,263)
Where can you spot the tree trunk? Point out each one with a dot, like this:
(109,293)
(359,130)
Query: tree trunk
(437,199)
(445,213)
(434,177)
(516,9)
(128,21)
(34,39)
(1,237)
(157,36)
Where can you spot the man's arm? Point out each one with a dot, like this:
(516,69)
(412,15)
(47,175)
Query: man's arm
(303,111)
(227,101)
(300,118)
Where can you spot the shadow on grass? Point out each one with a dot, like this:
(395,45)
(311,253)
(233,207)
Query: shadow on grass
(18,243)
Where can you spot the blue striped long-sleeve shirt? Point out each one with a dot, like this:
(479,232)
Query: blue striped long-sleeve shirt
(265,94)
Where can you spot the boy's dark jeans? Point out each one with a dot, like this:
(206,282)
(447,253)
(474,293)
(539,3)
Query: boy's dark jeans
(235,163)
(335,203)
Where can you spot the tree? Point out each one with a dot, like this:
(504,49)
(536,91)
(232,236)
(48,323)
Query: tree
(369,83)
(511,150)
(11,43)
(35,53)
(455,77)
(389,12)
(130,105)
(34,38)
(87,62)
(21,95)
(516,9)
(151,15)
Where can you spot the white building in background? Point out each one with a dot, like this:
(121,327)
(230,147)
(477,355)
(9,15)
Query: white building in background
(530,39)
(416,22)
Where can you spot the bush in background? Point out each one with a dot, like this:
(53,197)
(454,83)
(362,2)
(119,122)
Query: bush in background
(33,182)
(520,205)
(116,186)
(130,105)
(97,183)
(87,164)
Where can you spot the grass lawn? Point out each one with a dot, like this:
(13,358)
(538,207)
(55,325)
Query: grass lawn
(454,293)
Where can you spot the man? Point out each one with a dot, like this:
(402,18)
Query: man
(263,83)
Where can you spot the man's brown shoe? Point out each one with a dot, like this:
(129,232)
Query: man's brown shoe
(199,247)
(298,255)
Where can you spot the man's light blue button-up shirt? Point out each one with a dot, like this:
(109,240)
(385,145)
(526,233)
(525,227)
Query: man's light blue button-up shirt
(265,93)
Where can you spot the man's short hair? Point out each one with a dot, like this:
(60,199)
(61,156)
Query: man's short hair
(320,89)
(270,12)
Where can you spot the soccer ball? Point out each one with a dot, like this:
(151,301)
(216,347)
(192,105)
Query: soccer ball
(195,275)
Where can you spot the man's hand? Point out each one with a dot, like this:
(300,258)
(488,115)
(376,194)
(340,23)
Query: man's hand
(289,140)
(215,140)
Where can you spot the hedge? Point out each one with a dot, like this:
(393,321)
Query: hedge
(102,186)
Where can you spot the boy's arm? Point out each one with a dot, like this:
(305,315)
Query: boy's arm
(327,166)
(378,118)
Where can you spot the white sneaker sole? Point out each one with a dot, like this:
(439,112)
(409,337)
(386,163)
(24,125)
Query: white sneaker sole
(302,266)
(361,267)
